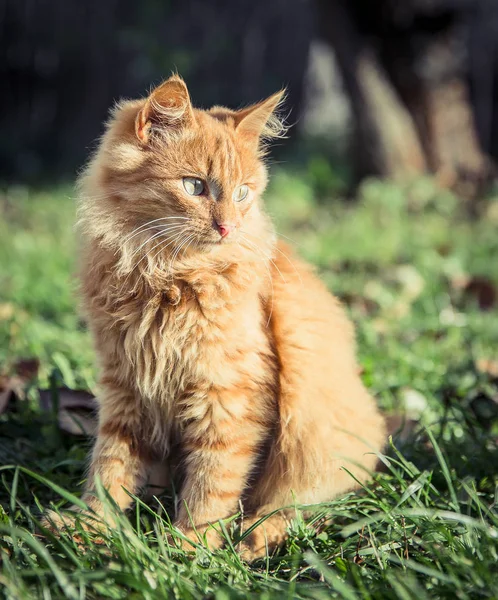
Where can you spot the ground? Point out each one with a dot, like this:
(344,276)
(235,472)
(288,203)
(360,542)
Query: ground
(419,277)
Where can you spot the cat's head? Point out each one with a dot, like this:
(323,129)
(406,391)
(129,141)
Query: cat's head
(172,176)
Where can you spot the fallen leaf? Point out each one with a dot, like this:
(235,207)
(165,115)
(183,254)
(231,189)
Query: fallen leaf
(5,396)
(483,290)
(78,421)
(27,368)
(77,410)
(13,386)
(364,305)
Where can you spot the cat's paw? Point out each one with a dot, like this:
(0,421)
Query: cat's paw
(191,538)
(72,522)
(250,554)
(267,537)
(254,547)
(57,522)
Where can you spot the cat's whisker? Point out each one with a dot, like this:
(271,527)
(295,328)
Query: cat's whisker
(286,237)
(163,246)
(163,230)
(137,230)
(161,243)
(290,262)
(178,237)
(151,228)
(281,252)
(173,255)
(143,229)
(171,241)
(267,256)
(187,242)
(178,249)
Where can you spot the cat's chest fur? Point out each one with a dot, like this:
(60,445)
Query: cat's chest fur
(204,329)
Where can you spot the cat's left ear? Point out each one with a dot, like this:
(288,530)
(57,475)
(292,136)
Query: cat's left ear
(168,106)
(260,121)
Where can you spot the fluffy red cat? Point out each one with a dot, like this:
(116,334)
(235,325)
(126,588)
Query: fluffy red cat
(222,356)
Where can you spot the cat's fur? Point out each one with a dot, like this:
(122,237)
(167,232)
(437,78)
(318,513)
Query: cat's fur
(227,360)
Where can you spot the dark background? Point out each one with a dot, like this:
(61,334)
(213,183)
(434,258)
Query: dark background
(390,87)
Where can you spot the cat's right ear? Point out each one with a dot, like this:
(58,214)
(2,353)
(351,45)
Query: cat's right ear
(168,107)
(260,121)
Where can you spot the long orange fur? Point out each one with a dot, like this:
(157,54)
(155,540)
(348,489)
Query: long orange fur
(225,361)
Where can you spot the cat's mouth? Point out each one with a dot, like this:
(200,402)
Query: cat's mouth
(219,242)
(226,240)
(216,242)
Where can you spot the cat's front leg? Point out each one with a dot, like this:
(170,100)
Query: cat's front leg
(221,450)
(119,460)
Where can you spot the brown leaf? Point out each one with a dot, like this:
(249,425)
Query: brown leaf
(483,290)
(364,305)
(27,368)
(78,422)
(13,386)
(76,410)
(5,397)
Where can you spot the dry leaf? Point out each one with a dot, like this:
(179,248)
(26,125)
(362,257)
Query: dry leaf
(78,421)
(483,290)
(364,305)
(27,368)
(76,410)
(6,394)
(12,387)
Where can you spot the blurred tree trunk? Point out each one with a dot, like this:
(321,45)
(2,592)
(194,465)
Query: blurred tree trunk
(384,141)
(409,94)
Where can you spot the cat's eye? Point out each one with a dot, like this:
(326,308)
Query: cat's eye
(193,186)
(241,193)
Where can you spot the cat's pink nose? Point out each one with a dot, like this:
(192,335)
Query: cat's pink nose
(224,228)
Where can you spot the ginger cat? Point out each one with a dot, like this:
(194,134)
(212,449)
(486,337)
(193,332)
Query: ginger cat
(222,356)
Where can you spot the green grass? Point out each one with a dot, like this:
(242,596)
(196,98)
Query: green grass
(426,527)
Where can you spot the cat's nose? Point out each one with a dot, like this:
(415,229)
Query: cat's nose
(225,228)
